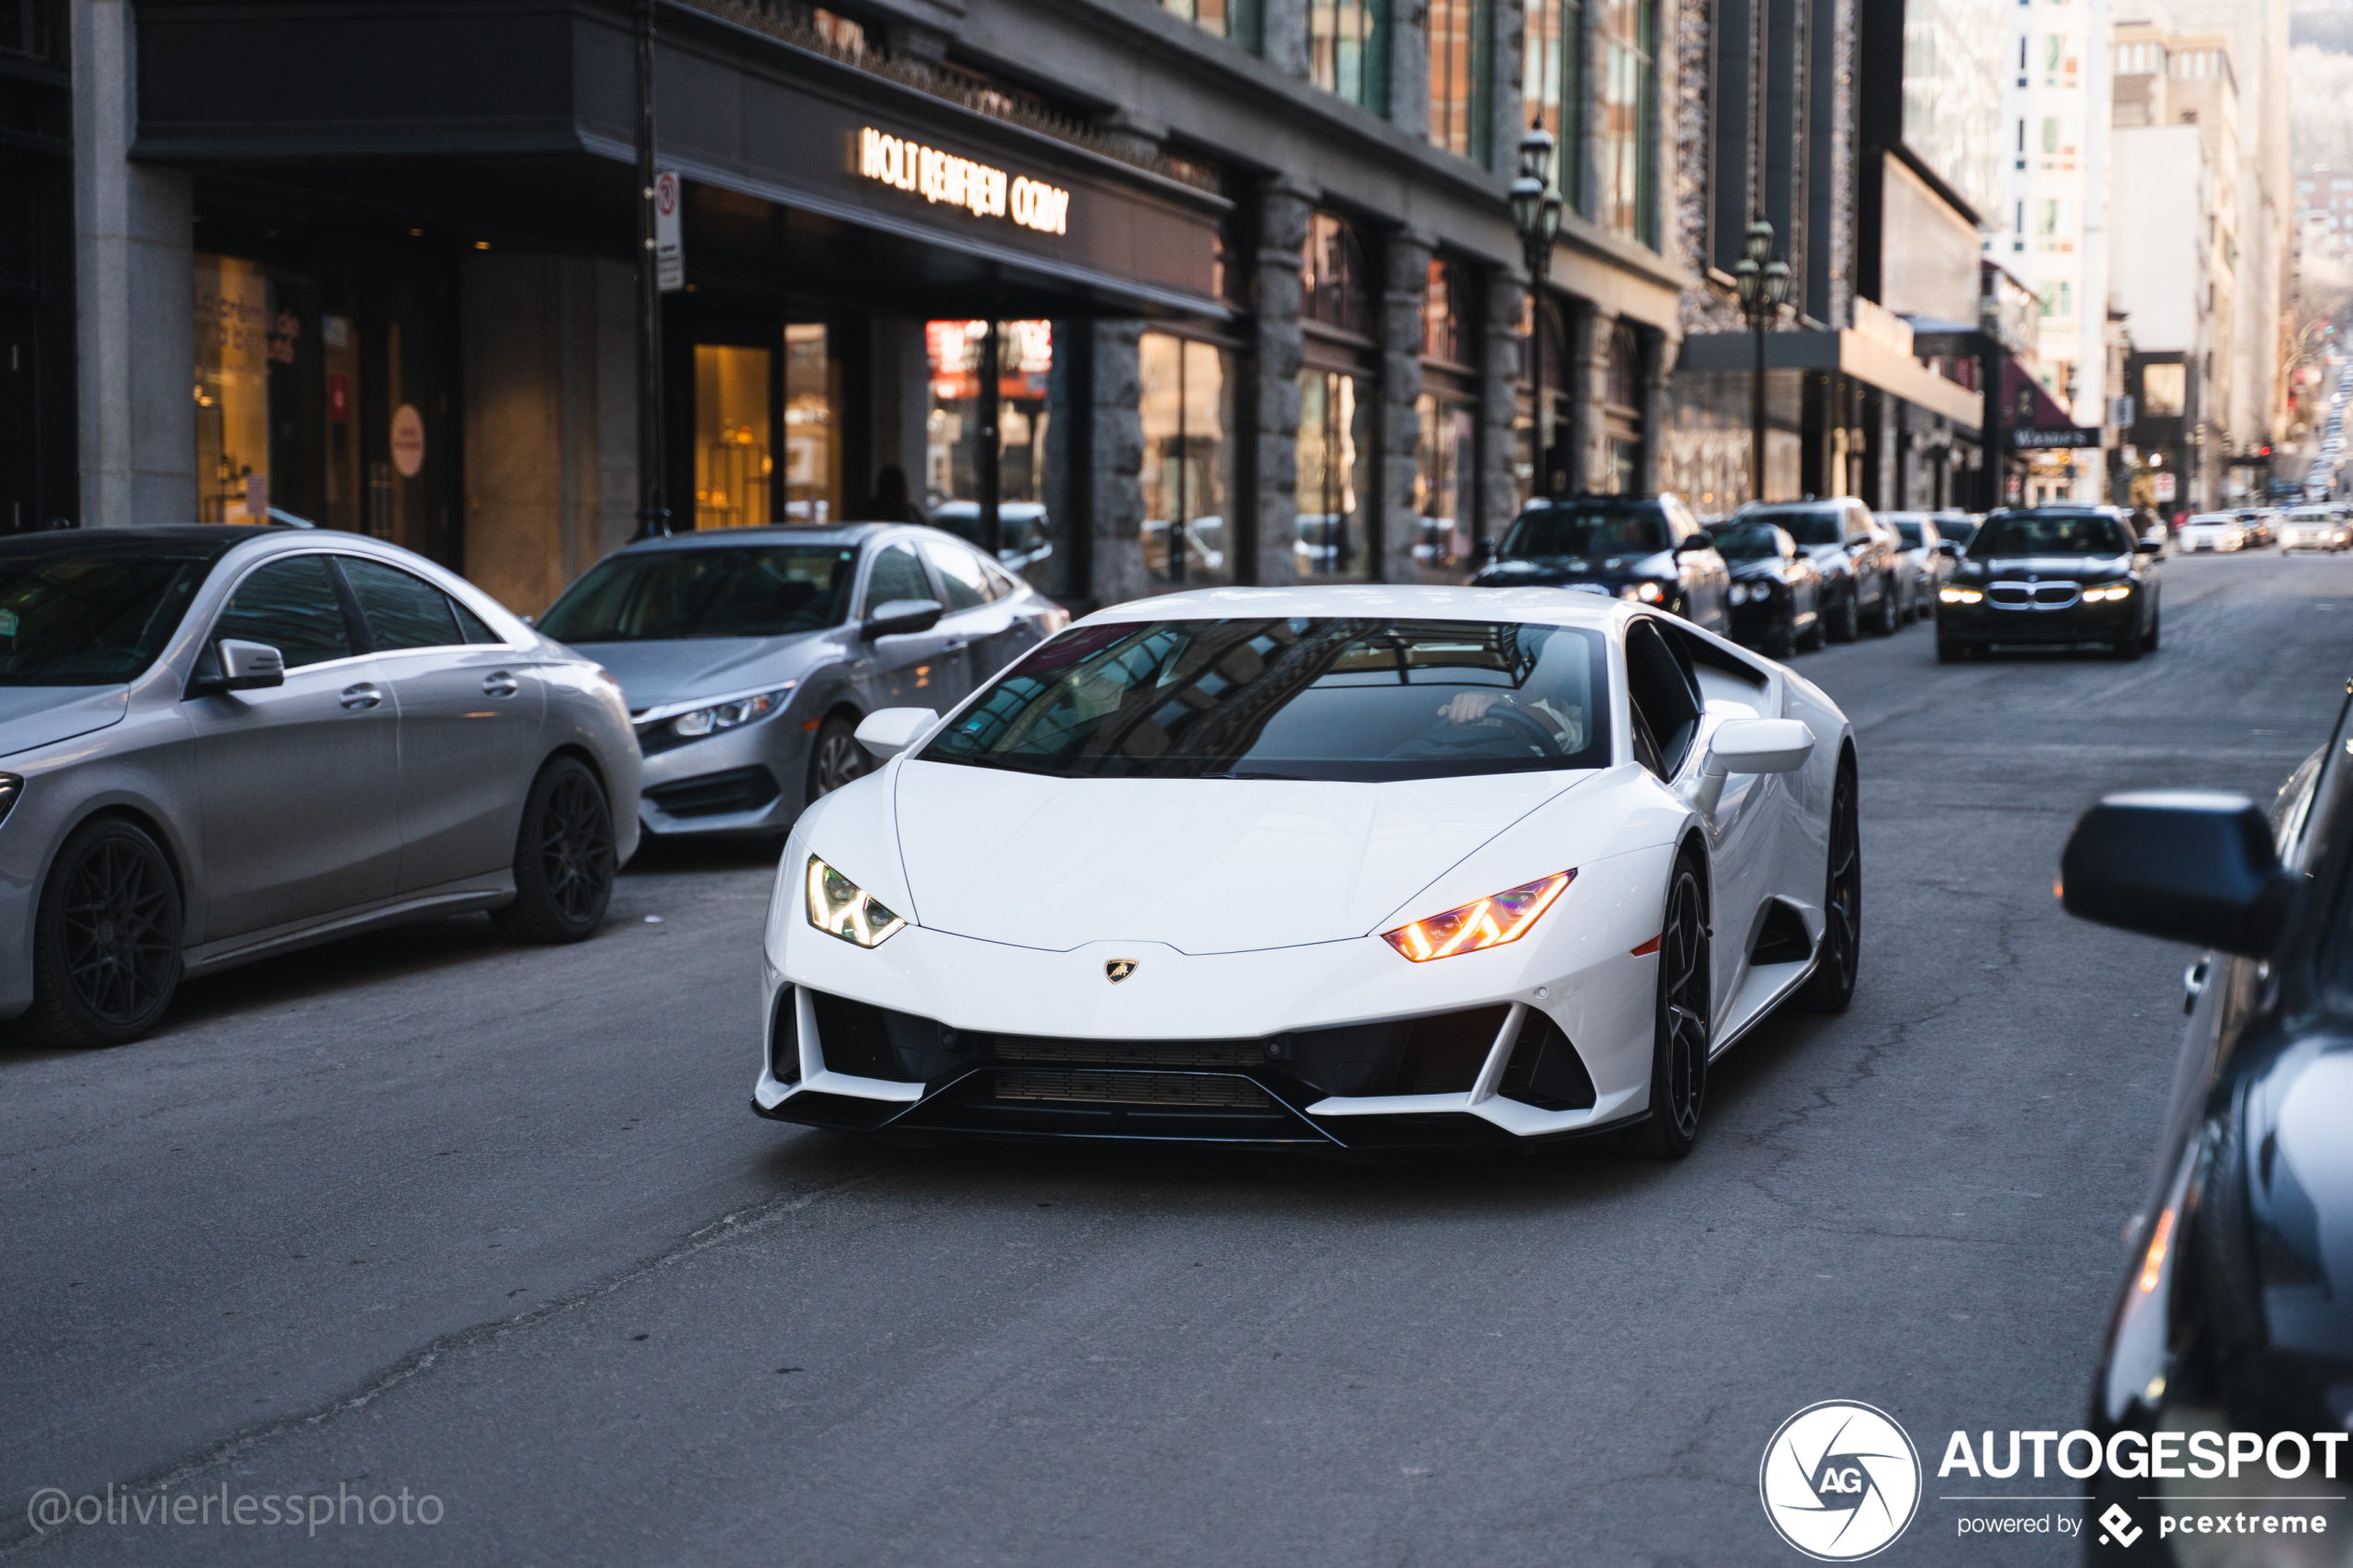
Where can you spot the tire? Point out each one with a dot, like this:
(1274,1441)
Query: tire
(1682,1021)
(106,940)
(564,862)
(2128,647)
(1951,650)
(1832,985)
(835,758)
(1815,635)
(1889,618)
(2157,623)
(1847,624)
(1783,641)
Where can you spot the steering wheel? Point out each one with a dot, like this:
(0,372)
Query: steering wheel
(1536,731)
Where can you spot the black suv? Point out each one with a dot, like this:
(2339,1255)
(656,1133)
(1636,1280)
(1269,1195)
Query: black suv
(1859,558)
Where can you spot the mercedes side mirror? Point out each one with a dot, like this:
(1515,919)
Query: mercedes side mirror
(1752,746)
(244,667)
(2189,865)
(1948,549)
(886,732)
(899,617)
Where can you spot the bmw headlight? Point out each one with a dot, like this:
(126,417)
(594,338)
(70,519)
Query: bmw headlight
(698,722)
(1959,595)
(2106,592)
(838,907)
(1490,923)
(1645,593)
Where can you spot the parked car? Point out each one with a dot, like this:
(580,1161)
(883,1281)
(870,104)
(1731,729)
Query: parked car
(1776,592)
(748,655)
(2211,531)
(2234,1315)
(1861,583)
(1956,529)
(2315,528)
(1024,537)
(2070,574)
(2260,523)
(1646,550)
(222,743)
(1924,565)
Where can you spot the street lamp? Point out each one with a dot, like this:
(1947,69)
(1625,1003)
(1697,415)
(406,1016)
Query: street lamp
(1536,216)
(1762,280)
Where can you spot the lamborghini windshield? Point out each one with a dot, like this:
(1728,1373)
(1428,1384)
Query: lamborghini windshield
(1359,699)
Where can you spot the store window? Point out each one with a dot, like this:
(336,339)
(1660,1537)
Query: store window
(1458,56)
(812,425)
(1188,459)
(733,467)
(1348,50)
(1333,493)
(256,360)
(1552,345)
(959,464)
(1335,277)
(1626,32)
(1551,65)
(1622,409)
(1446,427)
(1237,20)
(2165,390)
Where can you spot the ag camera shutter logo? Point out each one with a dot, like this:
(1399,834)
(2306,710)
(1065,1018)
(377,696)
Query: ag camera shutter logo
(1840,1481)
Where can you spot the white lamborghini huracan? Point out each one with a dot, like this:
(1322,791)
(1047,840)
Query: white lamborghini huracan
(1358,870)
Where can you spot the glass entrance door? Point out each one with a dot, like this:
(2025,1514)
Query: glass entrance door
(734,466)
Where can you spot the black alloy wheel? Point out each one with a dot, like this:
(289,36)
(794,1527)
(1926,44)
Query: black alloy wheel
(106,939)
(564,857)
(1846,618)
(1836,960)
(1782,640)
(1889,618)
(1685,1011)
(836,759)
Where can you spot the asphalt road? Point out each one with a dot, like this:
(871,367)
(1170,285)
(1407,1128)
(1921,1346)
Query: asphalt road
(494,1226)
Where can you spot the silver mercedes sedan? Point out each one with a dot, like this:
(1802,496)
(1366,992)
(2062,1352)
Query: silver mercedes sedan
(218,744)
(750,656)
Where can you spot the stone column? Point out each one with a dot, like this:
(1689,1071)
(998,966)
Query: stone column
(136,284)
(1283,209)
(1409,65)
(1507,116)
(1587,380)
(1117,505)
(1499,386)
(1406,282)
(1283,35)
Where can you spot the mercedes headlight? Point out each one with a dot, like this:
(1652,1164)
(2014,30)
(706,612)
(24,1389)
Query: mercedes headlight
(838,907)
(698,722)
(1490,923)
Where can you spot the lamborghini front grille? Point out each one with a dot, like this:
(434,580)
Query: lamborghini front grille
(1133,1088)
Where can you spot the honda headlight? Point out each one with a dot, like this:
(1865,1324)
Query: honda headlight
(1490,923)
(838,907)
(698,722)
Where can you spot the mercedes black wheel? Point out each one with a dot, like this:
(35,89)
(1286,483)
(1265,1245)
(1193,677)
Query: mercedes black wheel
(1836,959)
(1681,1029)
(1885,622)
(1846,617)
(836,759)
(564,859)
(106,940)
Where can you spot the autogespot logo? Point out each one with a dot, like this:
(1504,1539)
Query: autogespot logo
(1840,1481)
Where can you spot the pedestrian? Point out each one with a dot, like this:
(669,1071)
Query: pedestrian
(891,503)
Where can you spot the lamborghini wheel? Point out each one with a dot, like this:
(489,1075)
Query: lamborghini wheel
(1680,1034)
(1832,986)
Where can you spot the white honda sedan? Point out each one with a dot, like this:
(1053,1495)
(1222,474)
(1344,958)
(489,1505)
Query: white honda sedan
(1352,870)
(2211,531)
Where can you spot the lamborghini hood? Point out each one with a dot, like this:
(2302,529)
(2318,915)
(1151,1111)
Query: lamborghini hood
(1205,866)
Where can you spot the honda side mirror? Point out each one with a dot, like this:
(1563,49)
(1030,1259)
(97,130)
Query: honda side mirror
(899,617)
(2188,865)
(886,732)
(244,667)
(1751,745)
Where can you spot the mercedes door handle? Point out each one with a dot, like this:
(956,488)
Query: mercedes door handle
(361,695)
(499,684)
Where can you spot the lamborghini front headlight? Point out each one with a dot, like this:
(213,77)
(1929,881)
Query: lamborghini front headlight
(1490,923)
(838,907)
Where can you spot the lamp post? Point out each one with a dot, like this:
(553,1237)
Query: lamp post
(1536,216)
(653,513)
(1762,280)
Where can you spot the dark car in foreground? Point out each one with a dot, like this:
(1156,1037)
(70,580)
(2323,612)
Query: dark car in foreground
(2232,1326)
(1856,554)
(1776,591)
(1647,550)
(2052,576)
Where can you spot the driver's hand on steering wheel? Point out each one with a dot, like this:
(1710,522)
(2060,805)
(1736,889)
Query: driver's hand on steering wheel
(1471,707)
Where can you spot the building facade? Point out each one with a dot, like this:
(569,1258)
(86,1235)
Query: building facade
(1171,295)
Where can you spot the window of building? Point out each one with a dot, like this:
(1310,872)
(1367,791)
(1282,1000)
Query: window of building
(733,467)
(1446,426)
(1622,408)
(956,428)
(1627,33)
(1334,490)
(1237,20)
(1189,458)
(258,369)
(2165,390)
(1553,63)
(1348,50)
(1336,282)
(812,425)
(1458,73)
(1446,329)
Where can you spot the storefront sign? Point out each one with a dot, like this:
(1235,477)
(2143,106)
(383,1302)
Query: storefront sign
(2047,438)
(670,249)
(959,182)
(408,441)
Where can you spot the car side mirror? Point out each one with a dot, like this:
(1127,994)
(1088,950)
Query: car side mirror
(2189,865)
(244,667)
(2147,547)
(899,617)
(886,732)
(1948,549)
(1487,553)
(1692,543)
(1751,745)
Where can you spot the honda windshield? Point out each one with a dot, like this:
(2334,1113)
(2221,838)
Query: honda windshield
(737,591)
(1356,699)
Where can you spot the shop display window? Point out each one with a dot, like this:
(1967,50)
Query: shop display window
(257,364)
(1334,490)
(733,467)
(1445,461)
(812,425)
(961,353)
(1188,410)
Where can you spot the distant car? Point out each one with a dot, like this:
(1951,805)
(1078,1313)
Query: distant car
(224,743)
(2211,531)
(1776,593)
(1927,566)
(748,655)
(2052,576)
(2315,528)
(1023,536)
(1861,582)
(2258,522)
(1956,529)
(1647,550)
(2233,1321)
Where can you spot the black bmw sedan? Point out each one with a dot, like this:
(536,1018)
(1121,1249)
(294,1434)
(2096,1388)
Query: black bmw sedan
(2051,575)
(2232,1326)
(1649,549)
(1776,588)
